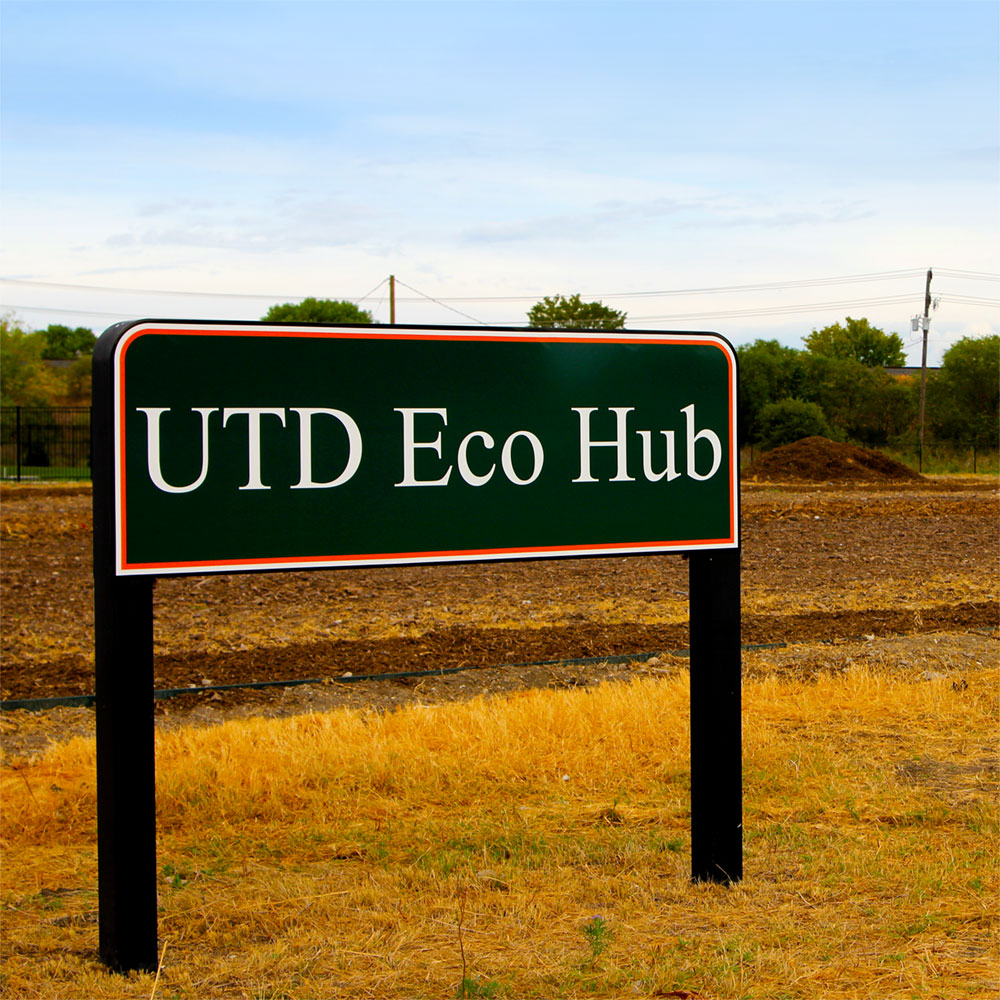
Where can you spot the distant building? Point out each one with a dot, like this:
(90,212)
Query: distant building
(909,371)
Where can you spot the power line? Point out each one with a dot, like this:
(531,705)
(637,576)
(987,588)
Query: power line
(782,310)
(969,300)
(773,285)
(760,311)
(122,290)
(973,275)
(368,295)
(72,312)
(745,312)
(441,300)
(440,303)
(149,291)
(708,290)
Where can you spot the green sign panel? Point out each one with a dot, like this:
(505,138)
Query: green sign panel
(254,446)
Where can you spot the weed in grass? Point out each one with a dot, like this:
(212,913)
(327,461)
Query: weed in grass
(598,934)
(657,844)
(469,987)
(518,847)
(478,988)
(611,816)
(733,965)
(176,879)
(927,921)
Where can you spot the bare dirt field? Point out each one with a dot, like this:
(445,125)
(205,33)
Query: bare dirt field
(831,562)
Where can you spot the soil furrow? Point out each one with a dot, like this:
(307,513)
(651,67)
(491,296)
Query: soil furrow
(484,647)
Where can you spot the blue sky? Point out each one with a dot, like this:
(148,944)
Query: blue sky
(491,153)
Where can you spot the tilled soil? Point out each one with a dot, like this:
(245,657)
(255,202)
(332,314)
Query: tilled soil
(469,647)
(831,563)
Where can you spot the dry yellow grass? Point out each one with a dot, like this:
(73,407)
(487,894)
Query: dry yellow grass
(340,855)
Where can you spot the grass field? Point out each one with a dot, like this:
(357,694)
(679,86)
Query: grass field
(537,845)
(948,460)
(45,473)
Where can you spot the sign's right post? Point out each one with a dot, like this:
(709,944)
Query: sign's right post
(716,723)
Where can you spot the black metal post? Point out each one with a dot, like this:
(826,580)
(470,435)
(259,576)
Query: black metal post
(126,774)
(18,444)
(126,768)
(716,724)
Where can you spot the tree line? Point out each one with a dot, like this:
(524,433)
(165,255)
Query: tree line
(26,377)
(837,385)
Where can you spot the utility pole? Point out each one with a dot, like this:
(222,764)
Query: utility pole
(392,314)
(925,323)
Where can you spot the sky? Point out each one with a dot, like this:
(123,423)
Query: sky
(752,169)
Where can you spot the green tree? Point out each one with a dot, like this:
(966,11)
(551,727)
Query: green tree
(862,404)
(859,341)
(318,311)
(77,381)
(897,406)
(963,399)
(63,343)
(25,379)
(768,372)
(790,420)
(560,312)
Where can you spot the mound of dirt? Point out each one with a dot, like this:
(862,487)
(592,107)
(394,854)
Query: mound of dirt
(818,459)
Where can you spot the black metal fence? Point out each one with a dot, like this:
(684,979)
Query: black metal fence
(39,443)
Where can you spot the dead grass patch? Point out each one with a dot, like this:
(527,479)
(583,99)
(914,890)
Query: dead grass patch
(342,854)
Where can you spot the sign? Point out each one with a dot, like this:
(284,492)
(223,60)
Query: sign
(253,446)
(226,447)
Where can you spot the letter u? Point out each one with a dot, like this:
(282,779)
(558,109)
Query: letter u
(153,414)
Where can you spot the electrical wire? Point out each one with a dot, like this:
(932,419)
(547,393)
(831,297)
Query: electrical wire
(440,303)
(384,281)
(375,309)
(70,312)
(773,285)
(797,308)
(969,300)
(708,290)
(949,272)
(121,290)
(441,300)
(151,291)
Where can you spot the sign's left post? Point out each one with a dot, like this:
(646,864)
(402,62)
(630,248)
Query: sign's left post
(126,768)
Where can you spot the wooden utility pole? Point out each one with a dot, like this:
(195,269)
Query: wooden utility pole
(392,299)
(923,364)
